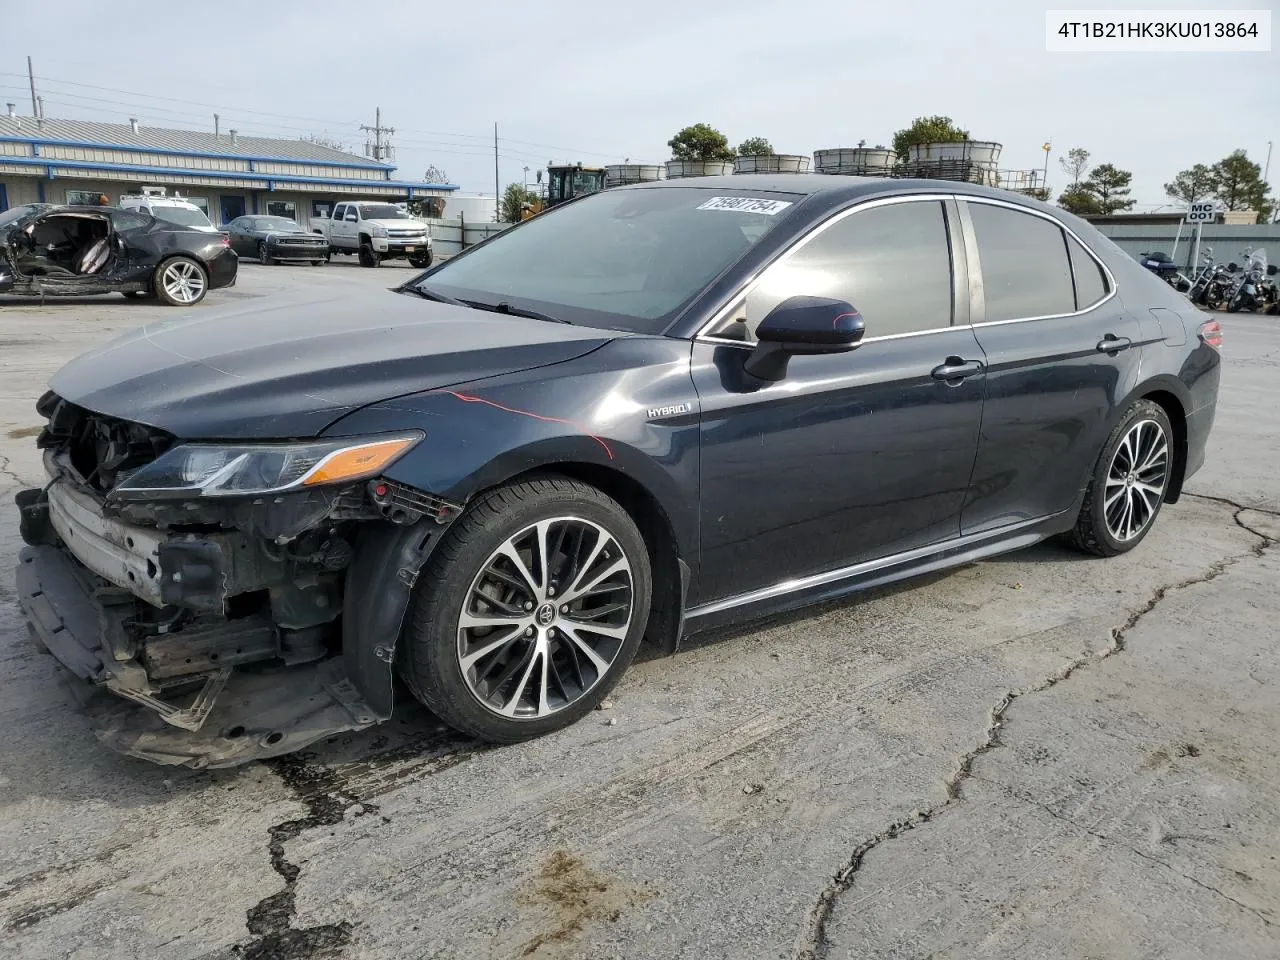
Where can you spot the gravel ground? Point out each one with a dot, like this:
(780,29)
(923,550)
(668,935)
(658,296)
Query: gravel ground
(1038,756)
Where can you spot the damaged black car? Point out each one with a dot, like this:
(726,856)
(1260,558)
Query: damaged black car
(72,251)
(652,411)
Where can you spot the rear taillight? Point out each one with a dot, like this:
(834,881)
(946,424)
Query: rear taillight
(1210,333)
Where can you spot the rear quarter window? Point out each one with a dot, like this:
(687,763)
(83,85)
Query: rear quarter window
(1091,282)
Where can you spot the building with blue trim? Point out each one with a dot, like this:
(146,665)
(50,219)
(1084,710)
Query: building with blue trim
(227,175)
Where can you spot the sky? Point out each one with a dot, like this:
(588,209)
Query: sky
(600,83)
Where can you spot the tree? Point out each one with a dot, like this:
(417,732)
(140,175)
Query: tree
(1074,164)
(701,141)
(513,200)
(435,175)
(936,129)
(1110,185)
(1191,185)
(1080,200)
(324,140)
(1239,185)
(755,147)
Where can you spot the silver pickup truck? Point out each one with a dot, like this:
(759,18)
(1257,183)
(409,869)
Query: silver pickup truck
(376,230)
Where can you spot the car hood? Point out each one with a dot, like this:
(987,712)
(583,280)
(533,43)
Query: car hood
(290,371)
(399,224)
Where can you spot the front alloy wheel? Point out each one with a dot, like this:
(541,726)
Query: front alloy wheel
(548,611)
(545,618)
(264,256)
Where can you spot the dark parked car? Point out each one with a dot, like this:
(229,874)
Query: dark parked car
(651,411)
(48,250)
(276,240)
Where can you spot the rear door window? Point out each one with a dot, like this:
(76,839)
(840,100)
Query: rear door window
(1026,272)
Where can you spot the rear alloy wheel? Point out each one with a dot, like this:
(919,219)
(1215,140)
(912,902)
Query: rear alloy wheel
(1129,483)
(181,282)
(529,611)
(263,257)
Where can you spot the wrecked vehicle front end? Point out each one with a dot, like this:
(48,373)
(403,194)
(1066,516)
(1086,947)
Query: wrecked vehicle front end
(220,602)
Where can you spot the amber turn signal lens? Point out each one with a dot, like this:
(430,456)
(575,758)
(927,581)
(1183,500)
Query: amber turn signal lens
(358,462)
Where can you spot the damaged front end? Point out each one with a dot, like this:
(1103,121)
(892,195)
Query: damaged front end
(238,602)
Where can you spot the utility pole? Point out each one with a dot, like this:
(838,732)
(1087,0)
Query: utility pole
(31,77)
(1047,146)
(378,150)
(497,199)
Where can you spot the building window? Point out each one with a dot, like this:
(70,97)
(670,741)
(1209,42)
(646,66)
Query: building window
(282,208)
(90,198)
(320,209)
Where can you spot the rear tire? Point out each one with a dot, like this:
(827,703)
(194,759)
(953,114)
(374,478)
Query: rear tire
(180,282)
(1129,483)
(318,263)
(563,632)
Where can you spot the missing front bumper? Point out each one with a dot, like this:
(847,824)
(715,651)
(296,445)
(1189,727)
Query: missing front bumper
(236,717)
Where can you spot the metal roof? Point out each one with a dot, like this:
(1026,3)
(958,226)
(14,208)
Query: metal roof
(88,132)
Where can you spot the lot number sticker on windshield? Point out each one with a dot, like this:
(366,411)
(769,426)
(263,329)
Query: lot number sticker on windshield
(746,205)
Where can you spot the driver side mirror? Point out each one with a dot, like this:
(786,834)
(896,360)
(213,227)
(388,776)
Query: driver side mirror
(803,326)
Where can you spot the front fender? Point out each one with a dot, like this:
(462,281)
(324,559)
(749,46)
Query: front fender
(594,410)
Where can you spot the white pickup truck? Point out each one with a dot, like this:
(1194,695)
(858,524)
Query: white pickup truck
(376,230)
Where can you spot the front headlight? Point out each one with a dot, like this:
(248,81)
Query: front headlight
(238,470)
(377,230)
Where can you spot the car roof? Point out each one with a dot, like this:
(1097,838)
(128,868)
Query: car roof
(836,187)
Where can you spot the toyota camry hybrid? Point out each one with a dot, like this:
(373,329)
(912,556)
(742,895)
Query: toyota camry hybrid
(648,412)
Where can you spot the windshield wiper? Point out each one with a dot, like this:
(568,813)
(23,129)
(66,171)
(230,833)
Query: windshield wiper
(508,309)
(426,294)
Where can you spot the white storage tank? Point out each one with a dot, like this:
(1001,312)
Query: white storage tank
(855,161)
(772,163)
(618,174)
(982,152)
(698,168)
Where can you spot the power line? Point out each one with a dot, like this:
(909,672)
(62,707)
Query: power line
(287,116)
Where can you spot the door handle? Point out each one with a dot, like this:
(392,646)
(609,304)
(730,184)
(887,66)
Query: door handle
(956,369)
(1113,344)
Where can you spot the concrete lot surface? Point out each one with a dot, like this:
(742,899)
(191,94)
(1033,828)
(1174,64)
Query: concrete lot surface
(1038,756)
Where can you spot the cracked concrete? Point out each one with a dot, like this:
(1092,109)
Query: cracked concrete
(960,767)
(814,942)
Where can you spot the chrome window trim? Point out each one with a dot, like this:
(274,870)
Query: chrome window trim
(753,281)
(750,284)
(1111,280)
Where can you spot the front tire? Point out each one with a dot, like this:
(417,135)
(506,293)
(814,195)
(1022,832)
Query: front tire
(1129,483)
(368,257)
(421,262)
(529,611)
(181,282)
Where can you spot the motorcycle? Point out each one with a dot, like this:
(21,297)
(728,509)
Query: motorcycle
(1212,282)
(1162,265)
(1253,290)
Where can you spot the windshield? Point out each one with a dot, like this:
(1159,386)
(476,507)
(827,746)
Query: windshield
(1257,260)
(382,211)
(623,259)
(183,216)
(278,223)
